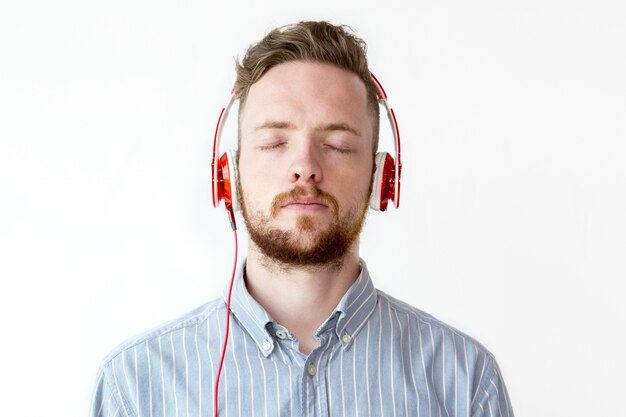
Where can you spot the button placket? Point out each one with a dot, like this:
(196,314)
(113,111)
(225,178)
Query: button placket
(314,376)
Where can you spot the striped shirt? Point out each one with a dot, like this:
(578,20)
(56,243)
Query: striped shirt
(377,356)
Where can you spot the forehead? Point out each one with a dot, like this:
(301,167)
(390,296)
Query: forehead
(306,92)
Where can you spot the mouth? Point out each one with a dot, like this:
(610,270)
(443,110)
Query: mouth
(305,203)
(304,200)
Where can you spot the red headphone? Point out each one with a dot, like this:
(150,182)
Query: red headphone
(386,184)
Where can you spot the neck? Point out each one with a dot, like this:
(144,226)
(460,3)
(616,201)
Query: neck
(300,298)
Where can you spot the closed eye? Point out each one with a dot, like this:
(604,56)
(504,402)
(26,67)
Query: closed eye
(270,146)
(339,149)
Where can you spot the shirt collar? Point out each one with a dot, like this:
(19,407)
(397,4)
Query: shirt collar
(252,317)
(355,307)
(347,318)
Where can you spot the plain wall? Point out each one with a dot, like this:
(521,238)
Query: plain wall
(511,227)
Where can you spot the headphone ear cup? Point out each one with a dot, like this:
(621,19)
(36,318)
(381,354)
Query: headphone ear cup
(233,172)
(379,161)
(227,181)
(383,186)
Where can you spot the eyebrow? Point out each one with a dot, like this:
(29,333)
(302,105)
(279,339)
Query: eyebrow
(342,127)
(330,127)
(274,124)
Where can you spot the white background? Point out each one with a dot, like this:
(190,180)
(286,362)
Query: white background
(512,225)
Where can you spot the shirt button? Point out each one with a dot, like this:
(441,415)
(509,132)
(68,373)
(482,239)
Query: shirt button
(346,339)
(281,334)
(266,345)
(311,370)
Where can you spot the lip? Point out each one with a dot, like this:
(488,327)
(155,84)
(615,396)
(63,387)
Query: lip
(305,203)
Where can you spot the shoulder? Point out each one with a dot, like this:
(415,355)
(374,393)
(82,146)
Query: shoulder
(439,332)
(173,328)
(451,352)
(448,356)
(123,372)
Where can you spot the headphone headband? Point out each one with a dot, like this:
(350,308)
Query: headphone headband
(222,169)
(215,174)
(391,115)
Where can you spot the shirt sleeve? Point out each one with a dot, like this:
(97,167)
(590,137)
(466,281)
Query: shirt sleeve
(492,399)
(105,401)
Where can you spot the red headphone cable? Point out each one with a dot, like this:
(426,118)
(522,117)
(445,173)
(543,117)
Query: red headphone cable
(233,225)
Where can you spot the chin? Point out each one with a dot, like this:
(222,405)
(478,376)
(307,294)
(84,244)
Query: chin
(302,224)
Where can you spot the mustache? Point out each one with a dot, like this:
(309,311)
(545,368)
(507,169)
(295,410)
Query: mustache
(300,191)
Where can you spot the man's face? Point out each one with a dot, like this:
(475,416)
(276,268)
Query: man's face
(305,162)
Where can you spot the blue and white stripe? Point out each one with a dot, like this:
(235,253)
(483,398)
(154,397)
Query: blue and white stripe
(377,357)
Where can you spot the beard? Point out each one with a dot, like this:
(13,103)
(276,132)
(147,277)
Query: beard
(303,247)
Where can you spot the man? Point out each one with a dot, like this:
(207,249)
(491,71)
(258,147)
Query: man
(310,335)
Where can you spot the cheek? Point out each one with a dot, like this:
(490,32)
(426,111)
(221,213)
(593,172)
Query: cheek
(255,186)
(359,175)
(253,168)
(355,187)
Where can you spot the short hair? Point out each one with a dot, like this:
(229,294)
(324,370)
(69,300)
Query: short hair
(320,42)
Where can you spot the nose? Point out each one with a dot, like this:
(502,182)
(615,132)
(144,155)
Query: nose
(306,168)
